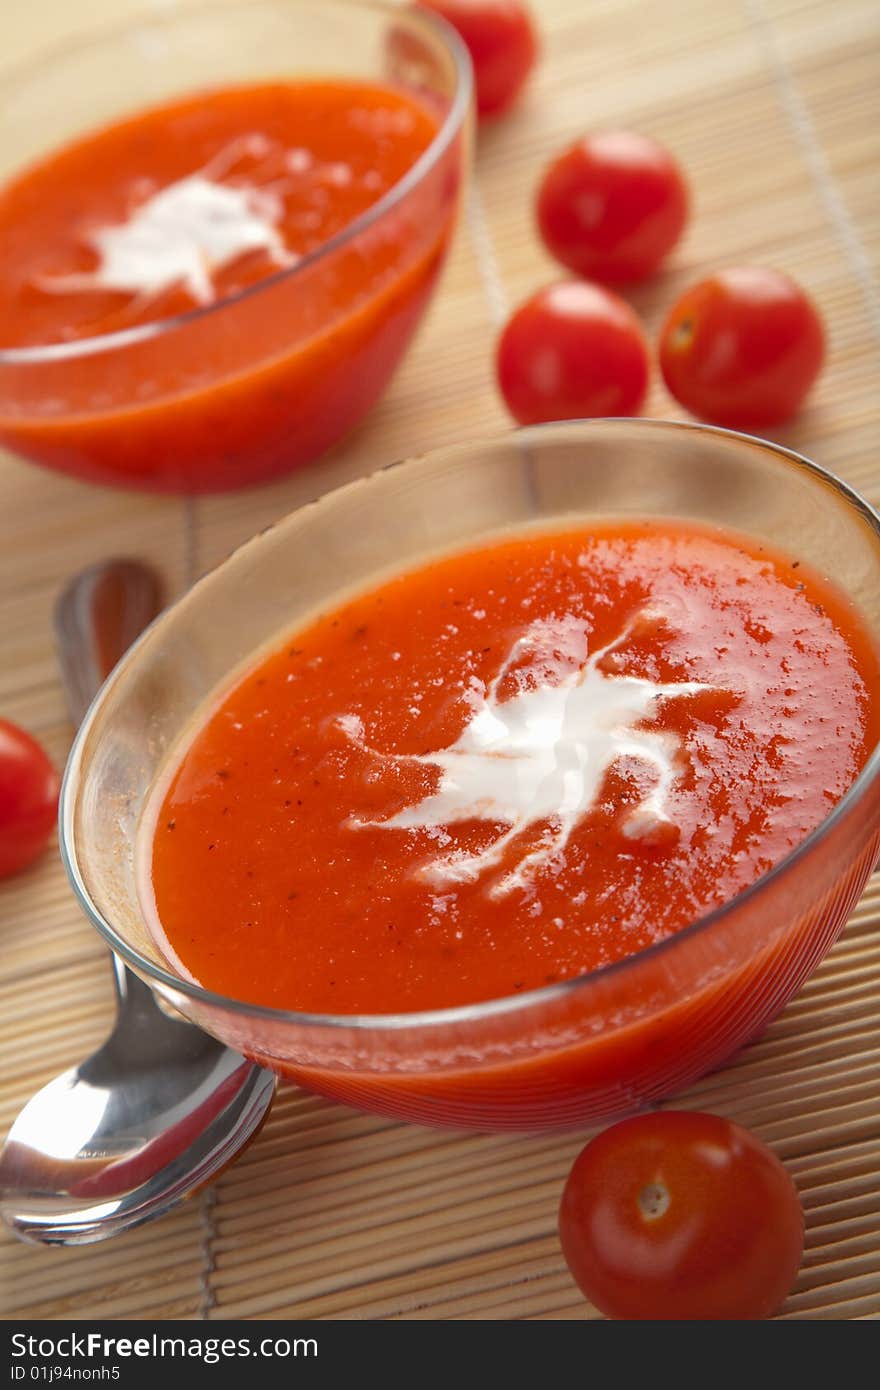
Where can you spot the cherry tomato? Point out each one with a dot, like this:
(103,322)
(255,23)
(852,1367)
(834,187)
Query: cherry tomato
(572,350)
(501,39)
(612,206)
(742,348)
(28,798)
(674,1216)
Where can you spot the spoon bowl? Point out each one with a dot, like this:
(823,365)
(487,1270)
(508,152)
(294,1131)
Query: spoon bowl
(158,1111)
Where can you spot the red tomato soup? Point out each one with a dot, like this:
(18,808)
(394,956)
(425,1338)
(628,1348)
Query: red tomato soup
(184,206)
(508,768)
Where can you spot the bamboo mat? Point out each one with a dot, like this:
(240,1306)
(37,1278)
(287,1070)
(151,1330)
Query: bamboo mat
(774,108)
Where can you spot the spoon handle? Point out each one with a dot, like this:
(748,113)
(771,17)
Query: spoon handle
(97,617)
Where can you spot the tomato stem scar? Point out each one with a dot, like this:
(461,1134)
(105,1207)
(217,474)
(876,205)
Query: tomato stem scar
(653,1201)
(683,335)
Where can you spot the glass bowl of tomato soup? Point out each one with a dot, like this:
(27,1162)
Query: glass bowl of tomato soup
(512,787)
(219,230)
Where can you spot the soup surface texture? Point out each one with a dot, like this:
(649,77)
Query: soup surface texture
(508,768)
(194,201)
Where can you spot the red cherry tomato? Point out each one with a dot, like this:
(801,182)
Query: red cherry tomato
(612,206)
(742,348)
(681,1216)
(28,798)
(572,350)
(501,39)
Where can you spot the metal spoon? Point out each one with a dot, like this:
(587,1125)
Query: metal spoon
(161,1108)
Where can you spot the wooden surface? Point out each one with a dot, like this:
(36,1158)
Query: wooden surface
(773,107)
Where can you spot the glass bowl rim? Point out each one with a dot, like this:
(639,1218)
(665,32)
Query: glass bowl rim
(506,1004)
(447,132)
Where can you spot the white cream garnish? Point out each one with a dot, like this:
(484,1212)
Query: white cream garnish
(542,755)
(181,235)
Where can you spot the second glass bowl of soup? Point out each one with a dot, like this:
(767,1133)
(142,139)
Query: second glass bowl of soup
(323,142)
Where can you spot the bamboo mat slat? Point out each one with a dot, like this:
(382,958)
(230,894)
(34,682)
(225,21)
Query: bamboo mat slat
(774,108)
